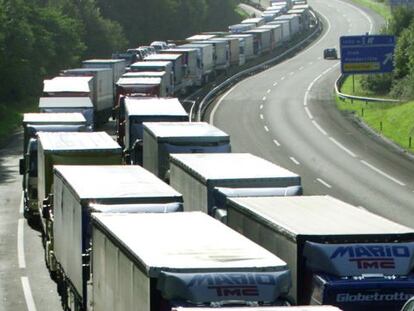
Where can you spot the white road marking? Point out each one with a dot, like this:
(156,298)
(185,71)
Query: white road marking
(324,183)
(213,112)
(310,63)
(342,147)
(266,128)
(301,68)
(28,294)
(282,78)
(264,98)
(382,173)
(261,107)
(292,73)
(278,144)
(274,84)
(361,207)
(320,57)
(319,127)
(294,160)
(261,116)
(308,112)
(21,211)
(268,91)
(20,244)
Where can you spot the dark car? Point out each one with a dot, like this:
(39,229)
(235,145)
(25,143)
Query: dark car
(330,54)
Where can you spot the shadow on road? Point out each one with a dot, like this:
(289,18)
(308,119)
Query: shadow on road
(9,158)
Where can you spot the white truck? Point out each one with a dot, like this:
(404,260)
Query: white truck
(206,180)
(165,66)
(234,49)
(165,86)
(141,86)
(256,21)
(239,28)
(247,47)
(294,23)
(263,39)
(102,91)
(286,35)
(160,139)
(83,105)
(82,190)
(206,58)
(339,254)
(138,111)
(221,54)
(154,262)
(34,123)
(276,30)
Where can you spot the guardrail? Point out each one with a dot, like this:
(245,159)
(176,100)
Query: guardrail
(338,85)
(211,95)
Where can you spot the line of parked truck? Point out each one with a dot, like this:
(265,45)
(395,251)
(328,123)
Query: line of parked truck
(167,218)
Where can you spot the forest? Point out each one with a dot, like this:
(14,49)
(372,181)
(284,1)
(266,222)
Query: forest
(40,37)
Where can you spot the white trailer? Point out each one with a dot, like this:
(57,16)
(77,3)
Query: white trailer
(206,57)
(145,86)
(151,262)
(166,66)
(339,254)
(276,34)
(164,138)
(234,49)
(304,17)
(138,111)
(82,190)
(102,93)
(239,28)
(205,180)
(247,47)
(286,35)
(193,74)
(263,39)
(221,53)
(294,22)
(257,21)
(164,87)
(83,105)
(201,37)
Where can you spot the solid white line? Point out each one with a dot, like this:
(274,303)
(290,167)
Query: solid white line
(294,160)
(21,211)
(277,144)
(261,116)
(28,294)
(319,127)
(266,128)
(20,244)
(382,173)
(268,91)
(213,112)
(342,147)
(324,183)
(261,107)
(264,98)
(308,112)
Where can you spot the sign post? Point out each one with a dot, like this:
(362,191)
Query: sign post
(367,54)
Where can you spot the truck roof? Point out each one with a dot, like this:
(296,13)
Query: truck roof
(285,17)
(316,216)
(65,102)
(163,56)
(86,70)
(165,131)
(154,106)
(54,118)
(252,20)
(67,84)
(103,61)
(185,242)
(135,74)
(200,37)
(77,141)
(270,26)
(241,35)
(258,30)
(138,80)
(150,64)
(194,45)
(230,166)
(180,50)
(109,184)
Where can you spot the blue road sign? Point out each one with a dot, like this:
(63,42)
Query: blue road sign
(367,54)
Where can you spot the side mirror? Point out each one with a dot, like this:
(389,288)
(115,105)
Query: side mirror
(22,166)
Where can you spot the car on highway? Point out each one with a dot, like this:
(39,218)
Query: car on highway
(330,53)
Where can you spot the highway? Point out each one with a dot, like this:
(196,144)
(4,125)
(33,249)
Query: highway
(287,115)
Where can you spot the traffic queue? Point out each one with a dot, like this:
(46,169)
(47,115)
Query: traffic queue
(160,215)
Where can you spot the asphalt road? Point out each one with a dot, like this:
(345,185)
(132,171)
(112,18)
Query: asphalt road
(287,115)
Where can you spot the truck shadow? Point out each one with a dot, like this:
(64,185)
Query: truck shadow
(10,153)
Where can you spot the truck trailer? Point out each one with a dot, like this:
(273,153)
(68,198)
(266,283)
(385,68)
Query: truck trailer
(289,308)
(339,254)
(165,66)
(154,262)
(83,105)
(34,123)
(247,47)
(286,35)
(206,180)
(138,111)
(206,58)
(160,139)
(80,191)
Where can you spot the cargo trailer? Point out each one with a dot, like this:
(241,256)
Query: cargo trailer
(276,38)
(221,53)
(285,25)
(289,308)
(263,40)
(339,254)
(206,57)
(206,180)
(294,23)
(239,28)
(200,37)
(257,21)
(247,47)
(154,262)
(165,66)
(161,139)
(234,49)
(80,191)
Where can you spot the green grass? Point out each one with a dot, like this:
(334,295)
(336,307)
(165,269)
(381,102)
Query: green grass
(243,14)
(348,88)
(377,6)
(11,115)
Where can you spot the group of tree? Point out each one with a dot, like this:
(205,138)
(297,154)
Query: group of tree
(399,83)
(40,37)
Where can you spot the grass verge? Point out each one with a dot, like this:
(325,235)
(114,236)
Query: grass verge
(379,7)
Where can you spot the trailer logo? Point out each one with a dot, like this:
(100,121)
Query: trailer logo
(374,297)
(234,285)
(372,256)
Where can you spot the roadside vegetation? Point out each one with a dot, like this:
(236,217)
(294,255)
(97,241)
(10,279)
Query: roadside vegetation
(38,38)
(393,120)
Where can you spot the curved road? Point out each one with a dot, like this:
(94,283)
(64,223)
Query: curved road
(287,115)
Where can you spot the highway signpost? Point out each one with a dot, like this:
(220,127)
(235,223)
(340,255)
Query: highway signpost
(367,54)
